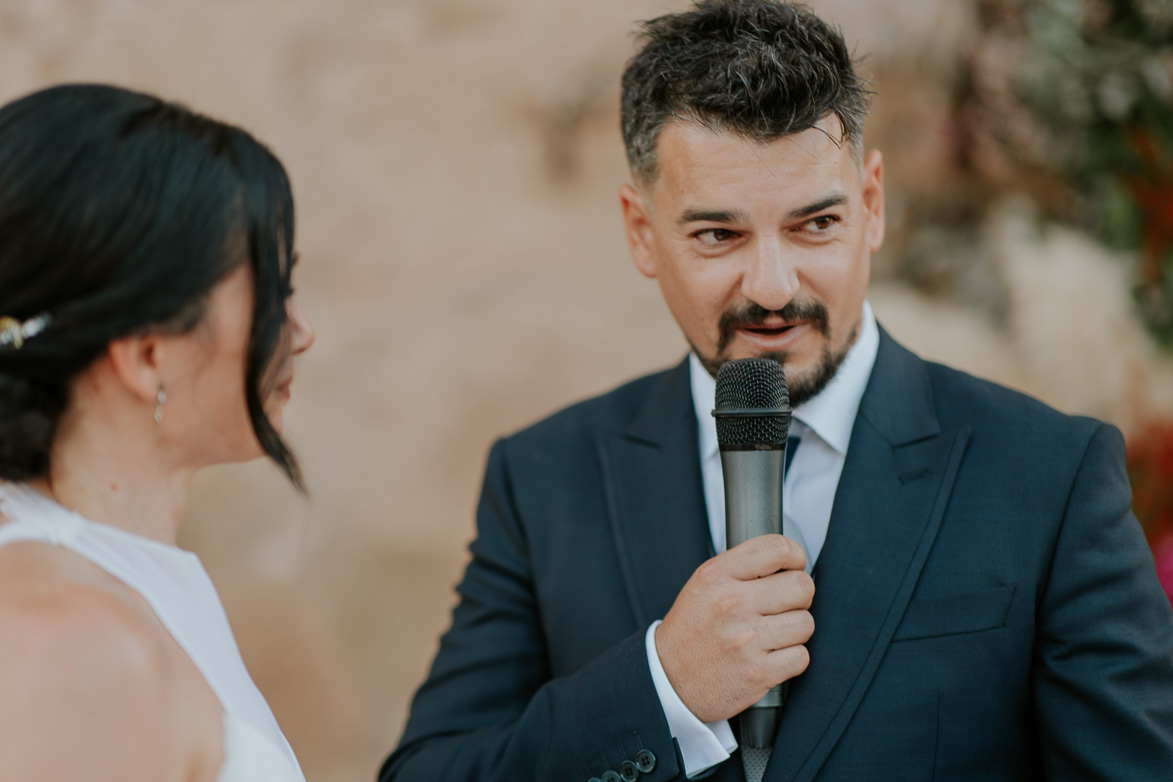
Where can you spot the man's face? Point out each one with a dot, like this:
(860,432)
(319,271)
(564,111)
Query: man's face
(761,249)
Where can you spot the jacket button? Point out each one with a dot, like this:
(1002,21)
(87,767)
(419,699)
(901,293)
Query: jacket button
(645,761)
(611,776)
(594,779)
(628,771)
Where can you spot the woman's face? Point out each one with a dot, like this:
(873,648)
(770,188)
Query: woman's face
(205,409)
(297,338)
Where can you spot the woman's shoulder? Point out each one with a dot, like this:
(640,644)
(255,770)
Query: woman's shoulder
(83,667)
(56,597)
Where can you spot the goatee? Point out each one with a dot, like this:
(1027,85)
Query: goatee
(814,313)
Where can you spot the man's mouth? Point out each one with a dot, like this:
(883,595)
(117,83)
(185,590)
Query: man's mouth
(773,335)
(770,331)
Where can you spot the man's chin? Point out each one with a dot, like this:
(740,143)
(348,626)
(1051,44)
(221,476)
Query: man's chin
(803,381)
(713,364)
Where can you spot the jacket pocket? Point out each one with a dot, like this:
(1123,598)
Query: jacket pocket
(972,611)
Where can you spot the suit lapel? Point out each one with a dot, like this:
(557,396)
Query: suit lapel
(892,494)
(652,479)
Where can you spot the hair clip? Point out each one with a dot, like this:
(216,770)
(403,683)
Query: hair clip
(13,332)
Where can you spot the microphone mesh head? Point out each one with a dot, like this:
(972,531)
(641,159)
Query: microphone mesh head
(752,384)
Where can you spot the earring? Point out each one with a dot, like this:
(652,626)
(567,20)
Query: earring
(160,400)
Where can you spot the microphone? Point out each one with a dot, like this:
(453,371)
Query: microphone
(753,416)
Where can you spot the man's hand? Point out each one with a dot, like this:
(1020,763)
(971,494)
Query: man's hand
(738,627)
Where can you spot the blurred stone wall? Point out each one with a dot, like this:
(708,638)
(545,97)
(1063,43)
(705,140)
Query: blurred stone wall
(455,164)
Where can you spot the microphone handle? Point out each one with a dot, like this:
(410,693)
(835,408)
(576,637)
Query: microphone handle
(753,507)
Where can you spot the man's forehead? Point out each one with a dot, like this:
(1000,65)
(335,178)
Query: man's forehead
(823,138)
(691,156)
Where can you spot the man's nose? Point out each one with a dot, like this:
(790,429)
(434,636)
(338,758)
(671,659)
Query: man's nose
(770,279)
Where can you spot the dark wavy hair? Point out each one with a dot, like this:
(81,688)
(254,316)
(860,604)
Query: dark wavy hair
(119,212)
(756,68)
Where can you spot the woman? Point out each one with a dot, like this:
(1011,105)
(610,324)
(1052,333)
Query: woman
(147,329)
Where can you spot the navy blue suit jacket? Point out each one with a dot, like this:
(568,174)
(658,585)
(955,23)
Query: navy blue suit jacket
(985,605)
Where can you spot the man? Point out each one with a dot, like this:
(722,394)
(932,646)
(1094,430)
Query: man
(982,604)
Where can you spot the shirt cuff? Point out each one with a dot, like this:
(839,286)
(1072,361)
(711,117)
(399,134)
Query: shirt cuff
(702,744)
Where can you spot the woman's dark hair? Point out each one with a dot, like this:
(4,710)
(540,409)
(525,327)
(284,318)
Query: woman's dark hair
(757,68)
(119,213)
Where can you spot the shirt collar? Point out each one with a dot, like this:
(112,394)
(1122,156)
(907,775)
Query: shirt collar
(830,414)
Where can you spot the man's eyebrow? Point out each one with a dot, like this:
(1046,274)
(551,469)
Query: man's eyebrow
(712,216)
(818,206)
(736,216)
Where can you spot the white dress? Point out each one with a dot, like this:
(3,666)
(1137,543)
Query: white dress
(178,589)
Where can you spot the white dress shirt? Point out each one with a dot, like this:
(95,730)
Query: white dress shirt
(824,423)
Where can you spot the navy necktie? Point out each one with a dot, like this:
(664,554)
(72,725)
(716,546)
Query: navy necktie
(791,448)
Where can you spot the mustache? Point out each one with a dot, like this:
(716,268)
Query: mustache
(812,311)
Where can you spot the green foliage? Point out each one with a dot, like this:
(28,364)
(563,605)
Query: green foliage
(1097,77)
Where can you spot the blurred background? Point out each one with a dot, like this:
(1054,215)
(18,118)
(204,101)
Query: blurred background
(456,164)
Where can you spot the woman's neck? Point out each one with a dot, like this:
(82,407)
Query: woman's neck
(139,509)
(119,481)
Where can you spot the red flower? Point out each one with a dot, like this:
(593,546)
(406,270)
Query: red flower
(1150,469)
(1165,567)
(1153,195)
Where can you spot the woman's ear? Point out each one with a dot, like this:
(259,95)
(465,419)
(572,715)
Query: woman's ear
(136,361)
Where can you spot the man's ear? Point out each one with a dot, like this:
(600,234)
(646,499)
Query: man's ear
(136,362)
(637,223)
(873,198)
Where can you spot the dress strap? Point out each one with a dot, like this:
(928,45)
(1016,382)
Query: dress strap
(171,580)
(33,517)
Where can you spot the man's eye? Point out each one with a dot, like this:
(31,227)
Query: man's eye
(823,223)
(714,236)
